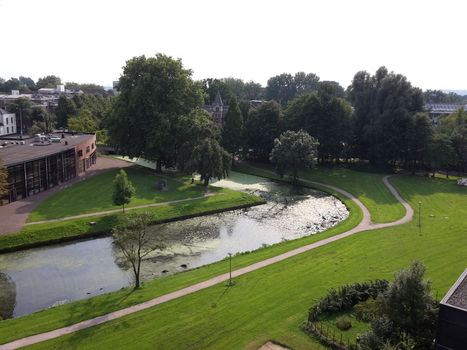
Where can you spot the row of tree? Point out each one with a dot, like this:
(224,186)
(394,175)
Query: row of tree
(27,85)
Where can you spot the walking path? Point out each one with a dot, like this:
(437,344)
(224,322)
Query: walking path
(364,225)
(13,216)
(101,213)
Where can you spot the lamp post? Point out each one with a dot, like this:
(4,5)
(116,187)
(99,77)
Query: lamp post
(419,217)
(230,270)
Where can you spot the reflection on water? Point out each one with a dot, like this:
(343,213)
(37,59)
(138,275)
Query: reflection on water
(39,278)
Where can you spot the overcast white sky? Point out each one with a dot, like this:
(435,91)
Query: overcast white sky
(90,40)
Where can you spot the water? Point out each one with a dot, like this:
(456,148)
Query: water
(39,278)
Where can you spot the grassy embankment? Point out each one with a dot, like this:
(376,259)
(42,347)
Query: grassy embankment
(271,303)
(81,310)
(95,194)
(366,185)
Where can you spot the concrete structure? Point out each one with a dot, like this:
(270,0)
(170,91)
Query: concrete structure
(7,123)
(45,161)
(452,319)
(437,110)
(217,109)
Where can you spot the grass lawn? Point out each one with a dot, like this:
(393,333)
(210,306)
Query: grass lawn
(272,303)
(95,194)
(367,186)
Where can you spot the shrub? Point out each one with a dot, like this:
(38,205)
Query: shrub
(366,310)
(343,323)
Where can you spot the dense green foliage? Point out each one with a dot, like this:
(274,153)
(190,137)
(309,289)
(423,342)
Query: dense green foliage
(123,189)
(83,122)
(406,315)
(49,81)
(263,126)
(3,179)
(284,87)
(156,95)
(294,151)
(232,130)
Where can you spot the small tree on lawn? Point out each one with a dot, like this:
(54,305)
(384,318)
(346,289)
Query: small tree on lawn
(294,151)
(123,189)
(135,242)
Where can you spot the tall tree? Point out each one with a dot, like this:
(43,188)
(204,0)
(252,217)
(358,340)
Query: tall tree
(294,151)
(284,87)
(22,107)
(135,241)
(155,93)
(263,126)
(49,81)
(326,118)
(232,131)
(201,152)
(123,189)
(83,122)
(441,154)
(420,137)
(385,105)
(65,109)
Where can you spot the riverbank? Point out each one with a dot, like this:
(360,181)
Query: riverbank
(65,231)
(272,302)
(99,305)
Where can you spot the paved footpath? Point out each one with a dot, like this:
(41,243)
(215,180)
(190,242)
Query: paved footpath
(364,225)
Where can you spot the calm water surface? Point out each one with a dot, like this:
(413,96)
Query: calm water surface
(39,278)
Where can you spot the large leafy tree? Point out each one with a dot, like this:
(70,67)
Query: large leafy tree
(455,126)
(232,131)
(263,126)
(83,122)
(23,108)
(155,93)
(294,151)
(326,118)
(201,152)
(284,87)
(420,136)
(385,105)
(135,241)
(49,81)
(66,108)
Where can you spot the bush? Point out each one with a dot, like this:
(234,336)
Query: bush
(366,311)
(343,323)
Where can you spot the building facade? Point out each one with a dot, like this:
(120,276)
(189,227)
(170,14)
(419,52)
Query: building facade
(36,165)
(7,123)
(438,110)
(217,109)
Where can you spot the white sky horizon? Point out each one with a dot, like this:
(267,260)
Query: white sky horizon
(90,41)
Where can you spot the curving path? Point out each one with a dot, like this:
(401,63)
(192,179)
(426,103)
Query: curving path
(364,225)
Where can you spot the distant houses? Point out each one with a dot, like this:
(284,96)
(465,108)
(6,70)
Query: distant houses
(437,110)
(7,123)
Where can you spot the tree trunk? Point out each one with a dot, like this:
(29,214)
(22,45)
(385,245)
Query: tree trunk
(206,182)
(137,273)
(159,166)
(123,208)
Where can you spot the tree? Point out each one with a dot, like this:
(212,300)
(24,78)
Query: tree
(49,81)
(83,122)
(155,94)
(294,151)
(407,312)
(232,132)
(326,118)
(385,105)
(135,241)
(284,87)
(27,85)
(441,154)
(3,179)
(263,126)
(419,139)
(123,189)
(66,108)
(22,107)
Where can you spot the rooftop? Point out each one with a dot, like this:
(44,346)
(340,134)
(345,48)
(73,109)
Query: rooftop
(13,152)
(457,295)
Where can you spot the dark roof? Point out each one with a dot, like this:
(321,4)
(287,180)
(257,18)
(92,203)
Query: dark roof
(457,295)
(444,108)
(14,153)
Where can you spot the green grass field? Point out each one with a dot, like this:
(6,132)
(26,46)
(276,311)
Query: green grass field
(271,303)
(366,185)
(95,194)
